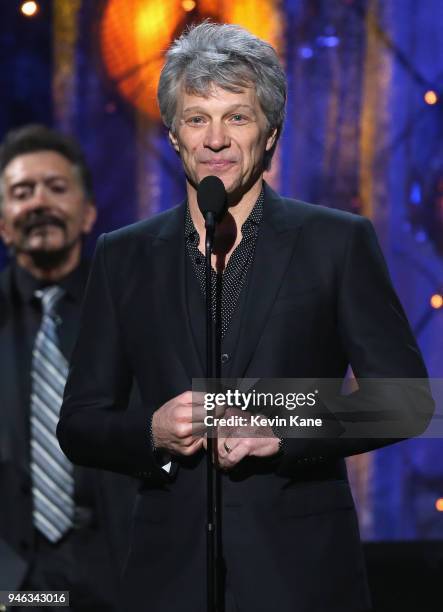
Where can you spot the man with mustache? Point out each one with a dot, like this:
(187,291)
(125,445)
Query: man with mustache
(46,209)
(305,293)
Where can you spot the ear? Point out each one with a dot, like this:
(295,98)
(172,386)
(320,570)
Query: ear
(89,217)
(271,139)
(174,141)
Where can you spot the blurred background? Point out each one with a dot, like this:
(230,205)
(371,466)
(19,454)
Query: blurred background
(364,133)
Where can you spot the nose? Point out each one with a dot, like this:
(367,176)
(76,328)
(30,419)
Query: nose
(39,195)
(35,203)
(38,198)
(217,137)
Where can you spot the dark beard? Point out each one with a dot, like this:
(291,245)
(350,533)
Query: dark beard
(45,260)
(48,260)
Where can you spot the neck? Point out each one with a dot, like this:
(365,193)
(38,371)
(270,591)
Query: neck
(239,209)
(54,273)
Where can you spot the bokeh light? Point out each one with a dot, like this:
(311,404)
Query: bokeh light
(189,5)
(431,97)
(437,300)
(29,9)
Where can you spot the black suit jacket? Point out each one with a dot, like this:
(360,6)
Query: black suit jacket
(319,297)
(108,497)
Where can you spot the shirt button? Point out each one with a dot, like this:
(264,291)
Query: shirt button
(225,358)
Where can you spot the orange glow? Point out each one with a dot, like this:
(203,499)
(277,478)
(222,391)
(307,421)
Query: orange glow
(439,504)
(437,301)
(260,17)
(188,5)
(29,9)
(135,35)
(431,97)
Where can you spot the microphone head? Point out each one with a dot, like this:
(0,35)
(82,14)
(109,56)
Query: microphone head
(211,196)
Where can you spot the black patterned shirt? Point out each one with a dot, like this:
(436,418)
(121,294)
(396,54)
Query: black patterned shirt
(235,274)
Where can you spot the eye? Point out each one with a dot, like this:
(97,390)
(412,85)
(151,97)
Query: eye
(22,192)
(58,186)
(237,118)
(195,120)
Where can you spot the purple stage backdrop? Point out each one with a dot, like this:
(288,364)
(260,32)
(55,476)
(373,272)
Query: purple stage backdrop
(363,133)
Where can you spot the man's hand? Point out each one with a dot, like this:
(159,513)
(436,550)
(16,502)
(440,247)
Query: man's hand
(255,441)
(178,425)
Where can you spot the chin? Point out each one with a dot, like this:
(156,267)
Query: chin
(229,182)
(231,185)
(48,258)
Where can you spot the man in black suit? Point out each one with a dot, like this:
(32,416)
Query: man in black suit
(46,209)
(305,293)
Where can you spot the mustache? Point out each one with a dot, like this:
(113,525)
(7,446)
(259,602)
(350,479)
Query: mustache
(37,219)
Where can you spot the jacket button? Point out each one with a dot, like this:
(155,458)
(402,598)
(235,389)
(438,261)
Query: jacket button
(225,358)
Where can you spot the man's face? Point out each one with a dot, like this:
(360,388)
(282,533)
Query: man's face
(44,209)
(223,134)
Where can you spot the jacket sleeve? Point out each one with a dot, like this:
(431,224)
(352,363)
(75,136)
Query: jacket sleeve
(393,401)
(96,427)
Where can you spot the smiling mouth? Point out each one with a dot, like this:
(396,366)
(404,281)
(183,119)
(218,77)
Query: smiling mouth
(219,164)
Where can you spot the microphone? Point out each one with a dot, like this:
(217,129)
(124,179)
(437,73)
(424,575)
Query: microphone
(212,200)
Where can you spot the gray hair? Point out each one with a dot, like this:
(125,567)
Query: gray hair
(227,56)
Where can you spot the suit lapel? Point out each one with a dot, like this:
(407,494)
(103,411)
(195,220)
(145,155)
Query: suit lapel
(275,246)
(170,272)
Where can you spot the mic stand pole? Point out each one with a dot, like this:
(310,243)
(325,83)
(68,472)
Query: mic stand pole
(212,534)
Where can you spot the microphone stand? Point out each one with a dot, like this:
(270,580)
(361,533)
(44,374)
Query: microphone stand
(213,477)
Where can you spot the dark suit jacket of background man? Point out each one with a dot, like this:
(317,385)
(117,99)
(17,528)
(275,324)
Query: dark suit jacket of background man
(106,498)
(318,297)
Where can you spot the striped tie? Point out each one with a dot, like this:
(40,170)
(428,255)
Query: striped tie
(51,470)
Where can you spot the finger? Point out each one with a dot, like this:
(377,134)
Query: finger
(228,460)
(192,448)
(225,445)
(190,440)
(198,429)
(200,412)
(220,410)
(194,397)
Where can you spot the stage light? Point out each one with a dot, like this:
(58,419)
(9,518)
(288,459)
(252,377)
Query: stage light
(439,504)
(29,9)
(437,301)
(188,5)
(431,97)
(305,52)
(415,194)
(134,36)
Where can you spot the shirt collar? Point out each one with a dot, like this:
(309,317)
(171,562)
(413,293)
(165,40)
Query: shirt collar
(27,285)
(254,217)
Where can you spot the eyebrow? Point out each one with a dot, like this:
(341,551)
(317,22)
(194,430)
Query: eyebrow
(191,109)
(31,181)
